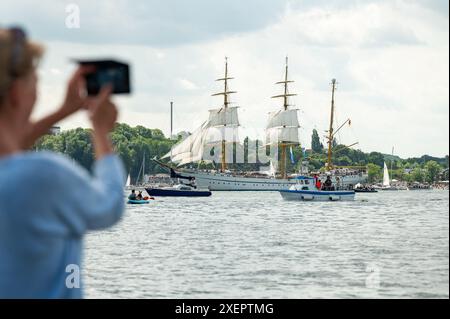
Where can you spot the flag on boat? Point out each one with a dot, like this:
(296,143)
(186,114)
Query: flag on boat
(304,152)
(292,155)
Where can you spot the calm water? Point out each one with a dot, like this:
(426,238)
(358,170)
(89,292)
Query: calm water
(255,245)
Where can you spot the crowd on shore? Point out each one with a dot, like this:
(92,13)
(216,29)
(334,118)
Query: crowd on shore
(441,185)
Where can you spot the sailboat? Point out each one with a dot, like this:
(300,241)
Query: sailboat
(281,132)
(386,180)
(128,182)
(139,181)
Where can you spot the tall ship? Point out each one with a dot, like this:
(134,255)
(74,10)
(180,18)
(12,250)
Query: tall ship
(221,130)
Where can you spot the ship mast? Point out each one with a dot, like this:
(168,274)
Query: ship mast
(330,131)
(283,144)
(226,102)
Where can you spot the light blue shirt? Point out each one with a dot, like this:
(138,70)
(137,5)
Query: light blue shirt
(47,204)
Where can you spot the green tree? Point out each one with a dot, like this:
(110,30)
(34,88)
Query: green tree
(374,171)
(334,143)
(343,161)
(408,178)
(316,162)
(418,175)
(78,145)
(432,169)
(316,145)
(132,143)
(376,158)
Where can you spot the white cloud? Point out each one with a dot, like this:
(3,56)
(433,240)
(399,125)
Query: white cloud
(187,85)
(390,58)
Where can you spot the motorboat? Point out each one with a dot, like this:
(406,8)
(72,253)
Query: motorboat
(179,190)
(305,190)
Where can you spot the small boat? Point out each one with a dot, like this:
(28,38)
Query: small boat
(137,201)
(364,189)
(306,190)
(179,190)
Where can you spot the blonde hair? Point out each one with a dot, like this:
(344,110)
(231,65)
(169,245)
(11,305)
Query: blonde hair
(27,61)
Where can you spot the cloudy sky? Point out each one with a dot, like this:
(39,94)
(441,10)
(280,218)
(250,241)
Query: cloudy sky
(391,60)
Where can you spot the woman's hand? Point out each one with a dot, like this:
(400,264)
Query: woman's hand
(103,115)
(76,95)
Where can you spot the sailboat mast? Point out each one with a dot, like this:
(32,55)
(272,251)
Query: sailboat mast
(330,131)
(392,160)
(225,105)
(284,143)
(285,106)
(171,120)
(143,169)
(225,96)
(226,102)
(171,126)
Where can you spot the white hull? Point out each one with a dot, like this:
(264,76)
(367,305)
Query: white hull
(317,196)
(225,182)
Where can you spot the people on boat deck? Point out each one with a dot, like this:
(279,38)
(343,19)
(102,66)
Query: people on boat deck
(328,184)
(132,196)
(318,184)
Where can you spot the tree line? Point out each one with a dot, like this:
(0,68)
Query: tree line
(138,144)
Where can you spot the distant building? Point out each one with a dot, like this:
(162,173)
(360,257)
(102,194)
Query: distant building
(55,130)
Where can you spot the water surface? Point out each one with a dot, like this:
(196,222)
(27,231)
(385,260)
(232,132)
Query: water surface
(255,245)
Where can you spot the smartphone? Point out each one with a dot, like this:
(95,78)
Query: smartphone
(107,72)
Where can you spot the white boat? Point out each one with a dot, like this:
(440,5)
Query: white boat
(179,190)
(230,182)
(306,190)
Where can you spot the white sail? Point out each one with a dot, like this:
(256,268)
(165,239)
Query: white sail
(190,148)
(283,118)
(224,117)
(222,125)
(215,135)
(282,134)
(271,171)
(183,146)
(128,183)
(386,181)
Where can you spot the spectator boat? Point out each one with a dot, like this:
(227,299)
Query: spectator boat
(137,201)
(305,190)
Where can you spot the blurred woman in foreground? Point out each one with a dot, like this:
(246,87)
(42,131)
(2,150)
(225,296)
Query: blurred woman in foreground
(41,235)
